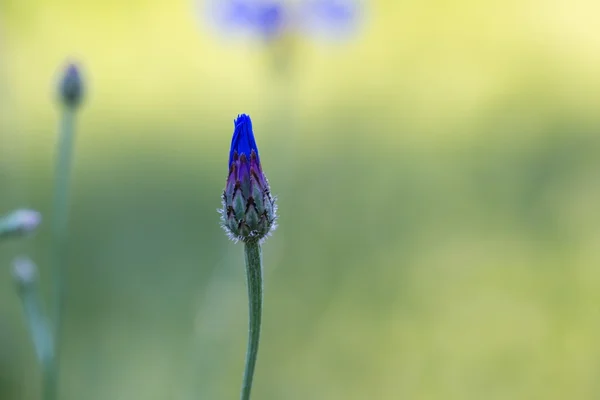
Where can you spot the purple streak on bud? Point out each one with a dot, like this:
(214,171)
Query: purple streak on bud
(71,86)
(249,210)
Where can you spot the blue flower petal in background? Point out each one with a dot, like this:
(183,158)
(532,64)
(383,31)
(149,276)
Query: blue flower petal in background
(265,19)
(271,19)
(329,19)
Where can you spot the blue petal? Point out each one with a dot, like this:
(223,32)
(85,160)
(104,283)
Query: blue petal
(265,18)
(243,138)
(326,18)
(237,13)
(270,19)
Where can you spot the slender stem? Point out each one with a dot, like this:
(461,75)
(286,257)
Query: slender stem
(41,337)
(255,289)
(50,376)
(60,237)
(38,325)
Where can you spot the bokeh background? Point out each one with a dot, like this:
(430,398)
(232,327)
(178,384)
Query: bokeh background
(438,176)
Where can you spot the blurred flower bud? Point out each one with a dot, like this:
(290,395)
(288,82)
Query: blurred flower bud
(25,275)
(24,272)
(71,86)
(19,222)
(249,210)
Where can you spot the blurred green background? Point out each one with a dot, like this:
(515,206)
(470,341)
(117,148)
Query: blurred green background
(438,178)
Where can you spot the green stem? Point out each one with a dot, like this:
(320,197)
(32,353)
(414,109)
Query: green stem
(255,288)
(41,337)
(38,325)
(50,383)
(60,238)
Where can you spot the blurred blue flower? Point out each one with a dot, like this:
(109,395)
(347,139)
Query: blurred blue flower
(271,19)
(329,18)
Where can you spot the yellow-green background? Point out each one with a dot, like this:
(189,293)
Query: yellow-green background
(438,178)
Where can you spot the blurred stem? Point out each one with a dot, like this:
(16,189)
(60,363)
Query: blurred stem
(38,325)
(41,337)
(255,288)
(60,236)
(282,79)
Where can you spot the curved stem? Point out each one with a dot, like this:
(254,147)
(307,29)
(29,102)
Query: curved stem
(60,239)
(255,288)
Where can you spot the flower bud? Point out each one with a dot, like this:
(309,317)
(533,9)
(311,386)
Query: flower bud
(71,87)
(24,272)
(249,210)
(20,222)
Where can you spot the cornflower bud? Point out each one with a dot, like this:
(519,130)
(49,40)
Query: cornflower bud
(24,272)
(70,88)
(249,210)
(19,223)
